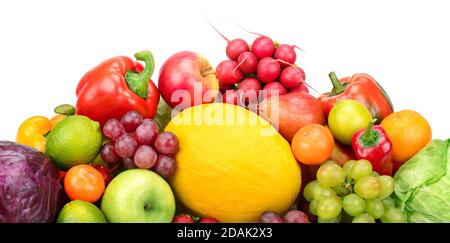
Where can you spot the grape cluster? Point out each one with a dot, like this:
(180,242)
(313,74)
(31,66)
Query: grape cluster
(292,216)
(352,193)
(136,143)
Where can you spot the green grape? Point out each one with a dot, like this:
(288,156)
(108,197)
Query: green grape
(331,162)
(333,220)
(313,207)
(363,218)
(330,175)
(322,192)
(360,169)
(393,215)
(375,174)
(387,185)
(329,207)
(368,187)
(309,189)
(375,208)
(388,202)
(348,167)
(353,205)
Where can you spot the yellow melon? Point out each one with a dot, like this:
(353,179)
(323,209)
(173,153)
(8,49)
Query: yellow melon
(232,164)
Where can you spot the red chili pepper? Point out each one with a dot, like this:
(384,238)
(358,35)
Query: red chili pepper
(116,86)
(361,87)
(374,145)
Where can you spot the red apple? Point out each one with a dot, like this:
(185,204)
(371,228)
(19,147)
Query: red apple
(187,79)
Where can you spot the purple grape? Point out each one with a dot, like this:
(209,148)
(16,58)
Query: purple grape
(131,120)
(148,120)
(125,146)
(145,157)
(128,164)
(270,217)
(108,153)
(167,143)
(295,216)
(113,129)
(165,166)
(146,133)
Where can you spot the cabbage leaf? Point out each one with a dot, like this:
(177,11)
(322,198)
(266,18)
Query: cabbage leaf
(422,187)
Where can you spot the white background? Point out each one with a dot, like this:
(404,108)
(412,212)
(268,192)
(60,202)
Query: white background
(46,46)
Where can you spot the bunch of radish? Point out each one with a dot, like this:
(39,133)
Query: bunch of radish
(259,71)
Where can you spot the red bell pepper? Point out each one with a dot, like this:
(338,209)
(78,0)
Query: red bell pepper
(361,87)
(116,86)
(374,145)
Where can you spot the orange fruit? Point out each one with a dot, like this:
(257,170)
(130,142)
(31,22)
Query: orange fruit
(408,131)
(312,144)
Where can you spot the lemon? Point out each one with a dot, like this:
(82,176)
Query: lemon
(80,212)
(75,140)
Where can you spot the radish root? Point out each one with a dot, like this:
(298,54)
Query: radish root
(218,32)
(246,30)
(300,49)
(237,66)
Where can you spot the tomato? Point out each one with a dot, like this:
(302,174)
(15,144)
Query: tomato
(84,182)
(312,144)
(346,118)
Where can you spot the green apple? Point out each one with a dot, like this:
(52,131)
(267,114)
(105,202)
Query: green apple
(80,212)
(138,196)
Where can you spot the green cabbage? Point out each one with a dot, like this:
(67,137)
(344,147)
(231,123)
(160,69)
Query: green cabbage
(422,187)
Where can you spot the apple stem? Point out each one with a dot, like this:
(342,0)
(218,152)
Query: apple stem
(147,206)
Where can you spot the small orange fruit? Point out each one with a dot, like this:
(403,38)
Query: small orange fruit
(84,182)
(312,144)
(408,131)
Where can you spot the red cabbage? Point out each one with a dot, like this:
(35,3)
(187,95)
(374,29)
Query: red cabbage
(30,188)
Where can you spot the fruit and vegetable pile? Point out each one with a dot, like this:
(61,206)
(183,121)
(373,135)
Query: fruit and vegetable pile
(244,142)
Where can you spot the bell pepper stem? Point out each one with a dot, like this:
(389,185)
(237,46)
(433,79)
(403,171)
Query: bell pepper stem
(138,82)
(368,132)
(338,87)
(369,136)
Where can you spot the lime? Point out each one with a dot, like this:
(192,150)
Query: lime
(74,140)
(80,212)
